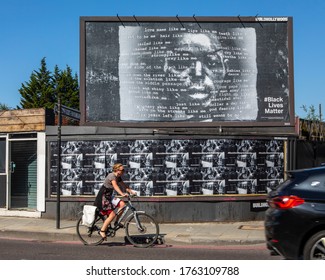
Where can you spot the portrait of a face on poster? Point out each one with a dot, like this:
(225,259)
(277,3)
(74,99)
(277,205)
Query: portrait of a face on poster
(170,72)
(184,77)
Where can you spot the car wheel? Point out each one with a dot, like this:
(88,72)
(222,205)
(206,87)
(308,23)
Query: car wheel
(315,247)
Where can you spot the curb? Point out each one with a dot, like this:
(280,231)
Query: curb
(164,239)
(39,236)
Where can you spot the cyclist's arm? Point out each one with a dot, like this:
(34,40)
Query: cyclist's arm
(117,188)
(127,188)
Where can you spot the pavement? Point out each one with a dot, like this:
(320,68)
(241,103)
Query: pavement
(211,233)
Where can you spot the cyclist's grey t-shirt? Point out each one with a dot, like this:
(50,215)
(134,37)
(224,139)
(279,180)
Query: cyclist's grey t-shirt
(108,180)
(103,200)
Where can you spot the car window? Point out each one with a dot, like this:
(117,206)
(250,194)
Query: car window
(285,183)
(314,181)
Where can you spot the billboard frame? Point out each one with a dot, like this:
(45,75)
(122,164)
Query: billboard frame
(180,20)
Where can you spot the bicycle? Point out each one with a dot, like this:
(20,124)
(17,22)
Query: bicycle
(141,229)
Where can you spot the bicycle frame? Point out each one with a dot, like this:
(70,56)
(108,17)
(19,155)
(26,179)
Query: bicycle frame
(125,210)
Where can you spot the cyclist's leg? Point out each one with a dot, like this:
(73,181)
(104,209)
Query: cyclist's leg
(106,223)
(118,205)
(111,204)
(120,209)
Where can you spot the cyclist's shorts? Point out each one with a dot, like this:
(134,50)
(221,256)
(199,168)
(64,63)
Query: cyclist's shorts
(106,212)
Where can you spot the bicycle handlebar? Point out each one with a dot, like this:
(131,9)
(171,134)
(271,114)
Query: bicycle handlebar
(131,196)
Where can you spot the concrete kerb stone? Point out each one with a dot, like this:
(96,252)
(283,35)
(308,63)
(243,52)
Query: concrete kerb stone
(186,234)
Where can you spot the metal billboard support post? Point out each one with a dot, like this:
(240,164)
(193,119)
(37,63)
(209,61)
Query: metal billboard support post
(74,114)
(58,187)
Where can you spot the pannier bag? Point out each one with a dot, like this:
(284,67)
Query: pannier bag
(88,216)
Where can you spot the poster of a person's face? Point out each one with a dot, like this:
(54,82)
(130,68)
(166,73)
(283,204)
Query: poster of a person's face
(202,71)
(187,74)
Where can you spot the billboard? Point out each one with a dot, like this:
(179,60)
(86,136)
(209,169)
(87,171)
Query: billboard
(191,72)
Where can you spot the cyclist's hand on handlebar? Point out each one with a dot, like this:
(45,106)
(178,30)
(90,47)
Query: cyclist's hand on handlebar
(132,194)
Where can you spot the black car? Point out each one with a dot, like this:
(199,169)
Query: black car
(295,219)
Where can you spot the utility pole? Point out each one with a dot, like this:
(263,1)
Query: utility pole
(58,187)
(320,112)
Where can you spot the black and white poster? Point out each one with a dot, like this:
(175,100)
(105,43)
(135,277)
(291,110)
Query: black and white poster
(167,72)
(182,75)
(170,167)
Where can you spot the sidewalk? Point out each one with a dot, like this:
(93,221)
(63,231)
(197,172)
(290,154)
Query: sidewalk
(214,233)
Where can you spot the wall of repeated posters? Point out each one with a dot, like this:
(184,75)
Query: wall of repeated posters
(170,167)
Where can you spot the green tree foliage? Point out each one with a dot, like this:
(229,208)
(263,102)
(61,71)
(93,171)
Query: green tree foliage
(4,107)
(42,90)
(311,113)
(67,86)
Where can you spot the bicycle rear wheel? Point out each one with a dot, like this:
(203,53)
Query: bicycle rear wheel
(90,235)
(142,234)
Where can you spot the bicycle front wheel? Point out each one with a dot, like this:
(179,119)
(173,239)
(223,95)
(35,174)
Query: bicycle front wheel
(141,230)
(90,235)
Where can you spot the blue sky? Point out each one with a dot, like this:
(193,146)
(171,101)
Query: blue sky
(34,29)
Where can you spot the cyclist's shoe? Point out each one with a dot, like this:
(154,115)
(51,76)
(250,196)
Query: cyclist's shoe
(103,234)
